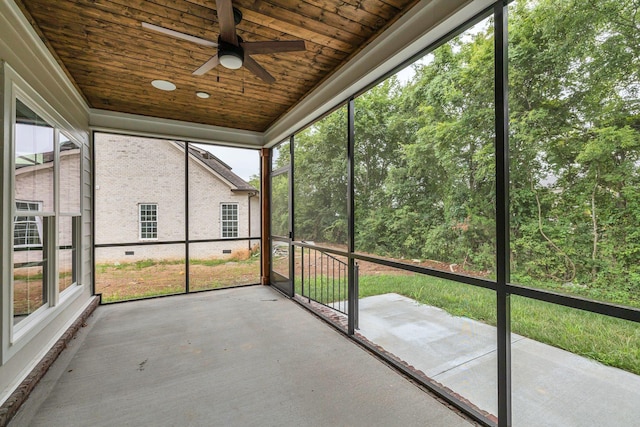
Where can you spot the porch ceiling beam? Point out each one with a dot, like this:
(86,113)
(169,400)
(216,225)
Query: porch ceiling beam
(124,123)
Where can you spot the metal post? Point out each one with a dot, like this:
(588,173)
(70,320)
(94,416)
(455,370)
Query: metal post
(309,275)
(341,302)
(249,196)
(352,291)
(291,218)
(186,217)
(322,280)
(356,313)
(333,283)
(502,216)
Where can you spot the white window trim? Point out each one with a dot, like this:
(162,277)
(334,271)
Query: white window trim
(28,213)
(140,221)
(223,221)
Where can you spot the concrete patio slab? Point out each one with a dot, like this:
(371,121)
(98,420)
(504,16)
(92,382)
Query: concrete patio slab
(237,357)
(551,387)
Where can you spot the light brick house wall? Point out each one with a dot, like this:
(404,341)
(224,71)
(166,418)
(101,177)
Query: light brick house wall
(36,184)
(134,170)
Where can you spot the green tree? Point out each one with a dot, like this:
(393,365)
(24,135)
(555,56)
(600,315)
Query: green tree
(574,110)
(320,171)
(424,153)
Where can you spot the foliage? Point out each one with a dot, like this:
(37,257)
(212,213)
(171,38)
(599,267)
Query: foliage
(280,205)
(575,121)
(254,181)
(425,163)
(320,203)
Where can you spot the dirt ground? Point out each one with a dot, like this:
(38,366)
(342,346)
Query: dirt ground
(121,282)
(370,269)
(27,296)
(116,283)
(28,289)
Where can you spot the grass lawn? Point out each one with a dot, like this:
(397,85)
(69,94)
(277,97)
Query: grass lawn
(148,278)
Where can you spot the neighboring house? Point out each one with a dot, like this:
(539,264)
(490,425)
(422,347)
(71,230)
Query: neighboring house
(34,191)
(140,200)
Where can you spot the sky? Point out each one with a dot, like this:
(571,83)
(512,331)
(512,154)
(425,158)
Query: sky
(33,139)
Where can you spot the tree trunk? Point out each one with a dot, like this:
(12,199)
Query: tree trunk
(553,245)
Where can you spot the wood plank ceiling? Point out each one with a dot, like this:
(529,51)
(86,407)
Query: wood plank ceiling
(112,60)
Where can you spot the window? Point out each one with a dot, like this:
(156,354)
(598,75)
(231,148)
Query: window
(148,221)
(229,217)
(34,221)
(27,230)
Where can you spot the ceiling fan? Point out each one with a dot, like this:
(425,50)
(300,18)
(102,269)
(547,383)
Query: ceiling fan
(233,52)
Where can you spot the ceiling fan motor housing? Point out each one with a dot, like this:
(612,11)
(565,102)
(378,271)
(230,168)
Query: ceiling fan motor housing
(230,55)
(237,15)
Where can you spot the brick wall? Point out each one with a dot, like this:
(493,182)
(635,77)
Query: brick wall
(130,171)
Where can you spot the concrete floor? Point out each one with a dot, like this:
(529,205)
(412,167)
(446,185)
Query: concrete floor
(237,357)
(550,387)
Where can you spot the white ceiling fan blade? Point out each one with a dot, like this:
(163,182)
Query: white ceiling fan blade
(179,35)
(207,66)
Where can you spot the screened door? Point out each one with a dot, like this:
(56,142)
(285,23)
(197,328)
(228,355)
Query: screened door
(281,276)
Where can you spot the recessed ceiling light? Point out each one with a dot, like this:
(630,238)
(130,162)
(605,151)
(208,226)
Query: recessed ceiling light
(163,85)
(203,95)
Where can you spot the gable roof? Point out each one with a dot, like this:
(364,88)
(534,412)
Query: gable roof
(219,167)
